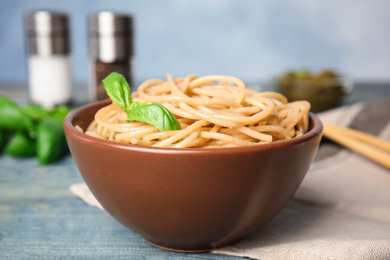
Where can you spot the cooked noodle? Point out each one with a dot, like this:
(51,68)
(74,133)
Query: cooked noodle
(213,111)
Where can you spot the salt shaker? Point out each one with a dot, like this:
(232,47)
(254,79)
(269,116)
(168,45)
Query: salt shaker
(111,49)
(49,71)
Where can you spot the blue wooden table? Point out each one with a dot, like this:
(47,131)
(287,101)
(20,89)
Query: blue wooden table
(41,219)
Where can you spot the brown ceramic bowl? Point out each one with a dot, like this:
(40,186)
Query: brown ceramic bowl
(190,199)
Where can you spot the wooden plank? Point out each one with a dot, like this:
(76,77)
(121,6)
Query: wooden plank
(41,219)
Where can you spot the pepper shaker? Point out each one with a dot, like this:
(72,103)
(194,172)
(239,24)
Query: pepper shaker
(111,49)
(48,43)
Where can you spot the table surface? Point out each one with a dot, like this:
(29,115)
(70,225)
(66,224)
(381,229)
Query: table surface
(41,219)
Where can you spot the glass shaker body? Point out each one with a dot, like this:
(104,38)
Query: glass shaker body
(49,70)
(111,49)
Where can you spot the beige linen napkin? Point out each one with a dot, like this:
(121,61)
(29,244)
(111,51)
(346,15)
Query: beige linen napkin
(82,191)
(341,210)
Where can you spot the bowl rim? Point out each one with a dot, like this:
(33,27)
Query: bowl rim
(71,130)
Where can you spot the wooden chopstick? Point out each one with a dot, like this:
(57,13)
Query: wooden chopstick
(365,144)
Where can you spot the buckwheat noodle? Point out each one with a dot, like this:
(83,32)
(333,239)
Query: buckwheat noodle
(213,111)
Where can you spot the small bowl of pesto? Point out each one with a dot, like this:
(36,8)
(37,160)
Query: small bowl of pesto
(324,90)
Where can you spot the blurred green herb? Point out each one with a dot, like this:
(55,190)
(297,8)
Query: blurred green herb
(51,142)
(31,130)
(13,118)
(21,145)
(4,138)
(35,112)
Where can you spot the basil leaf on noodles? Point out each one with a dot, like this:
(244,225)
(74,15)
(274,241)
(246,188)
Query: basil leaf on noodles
(118,90)
(137,104)
(156,115)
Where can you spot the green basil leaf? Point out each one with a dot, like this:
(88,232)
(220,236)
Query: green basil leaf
(60,112)
(36,112)
(137,104)
(13,118)
(118,90)
(51,141)
(5,135)
(21,145)
(156,115)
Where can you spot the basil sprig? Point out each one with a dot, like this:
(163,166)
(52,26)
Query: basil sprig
(118,90)
(157,115)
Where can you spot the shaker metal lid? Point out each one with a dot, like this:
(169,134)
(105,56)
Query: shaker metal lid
(110,36)
(45,23)
(107,23)
(47,32)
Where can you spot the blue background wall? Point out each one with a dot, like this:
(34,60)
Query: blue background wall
(245,38)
